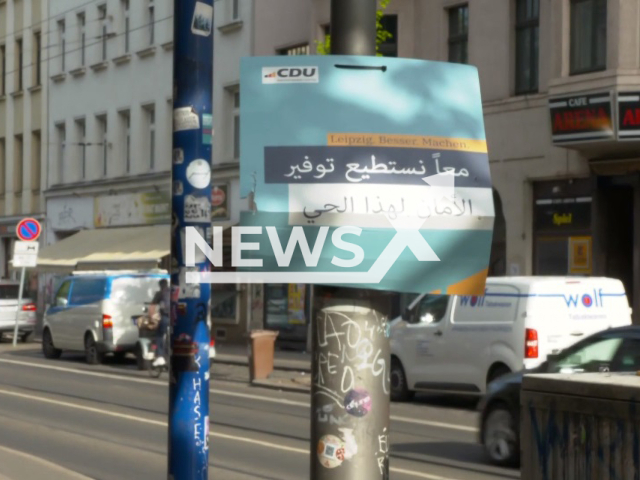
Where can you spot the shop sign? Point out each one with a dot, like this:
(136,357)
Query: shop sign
(563,214)
(580,255)
(146,208)
(68,214)
(296,300)
(220,202)
(628,115)
(582,118)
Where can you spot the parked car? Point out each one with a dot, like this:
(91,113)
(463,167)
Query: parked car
(97,314)
(459,344)
(615,350)
(9,293)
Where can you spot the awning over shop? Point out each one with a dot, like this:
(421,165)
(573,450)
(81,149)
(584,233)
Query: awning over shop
(108,248)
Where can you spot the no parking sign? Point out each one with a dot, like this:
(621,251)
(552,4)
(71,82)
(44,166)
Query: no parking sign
(28,229)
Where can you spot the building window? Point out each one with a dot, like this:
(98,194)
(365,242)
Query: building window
(82,38)
(102,16)
(17,163)
(125,120)
(61,133)
(152,22)
(588,36)
(151,125)
(125,8)
(36,163)
(3,70)
(296,50)
(3,167)
(458,34)
(527,34)
(61,43)
(235,9)
(19,63)
(81,134)
(37,55)
(102,131)
(236,123)
(389,47)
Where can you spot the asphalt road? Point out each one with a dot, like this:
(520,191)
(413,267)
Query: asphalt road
(109,422)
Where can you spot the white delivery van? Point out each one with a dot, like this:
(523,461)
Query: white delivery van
(458,344)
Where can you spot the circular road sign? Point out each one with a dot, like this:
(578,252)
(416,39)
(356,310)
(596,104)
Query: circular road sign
(28,229)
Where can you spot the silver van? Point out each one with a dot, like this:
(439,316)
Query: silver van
(97,313)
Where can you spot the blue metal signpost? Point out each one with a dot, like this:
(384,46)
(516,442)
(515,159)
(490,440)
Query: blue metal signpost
(191,206)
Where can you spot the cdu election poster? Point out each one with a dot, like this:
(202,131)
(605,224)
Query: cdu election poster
(369,172)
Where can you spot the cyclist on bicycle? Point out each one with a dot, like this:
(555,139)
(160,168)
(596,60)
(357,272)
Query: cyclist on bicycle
(162,301)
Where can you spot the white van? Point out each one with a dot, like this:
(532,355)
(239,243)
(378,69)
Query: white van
(458,344)
(97,313)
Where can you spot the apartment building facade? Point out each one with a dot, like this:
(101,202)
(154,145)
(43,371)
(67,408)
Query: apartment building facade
(23,132)
(560,81)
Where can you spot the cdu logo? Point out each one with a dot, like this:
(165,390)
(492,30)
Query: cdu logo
(290,75)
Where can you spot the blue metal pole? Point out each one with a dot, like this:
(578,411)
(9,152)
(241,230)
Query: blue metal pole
(191,207)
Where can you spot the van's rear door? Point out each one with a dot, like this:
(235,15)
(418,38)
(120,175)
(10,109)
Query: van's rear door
(571,309)
(127,301)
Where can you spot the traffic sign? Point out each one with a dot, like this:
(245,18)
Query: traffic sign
(25,254)
(28,229)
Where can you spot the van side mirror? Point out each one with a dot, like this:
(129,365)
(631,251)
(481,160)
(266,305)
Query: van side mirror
(406,314)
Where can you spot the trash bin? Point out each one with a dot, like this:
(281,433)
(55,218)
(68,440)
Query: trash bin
(261,353)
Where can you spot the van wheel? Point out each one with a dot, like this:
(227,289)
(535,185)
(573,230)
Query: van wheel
(48,349)
(399,386)
(500,436)
(497,372)
(91,353)
(140,360)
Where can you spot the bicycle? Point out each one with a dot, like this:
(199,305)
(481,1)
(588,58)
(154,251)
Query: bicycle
(156,370)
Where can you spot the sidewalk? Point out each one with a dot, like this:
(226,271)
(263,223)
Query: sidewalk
(15,465)
(292,370)
(284,359)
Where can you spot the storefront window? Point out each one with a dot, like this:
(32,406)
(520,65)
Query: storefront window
(224,300)
(562,228)
(286,305)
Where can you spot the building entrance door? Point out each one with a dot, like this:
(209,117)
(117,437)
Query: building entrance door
(618,208)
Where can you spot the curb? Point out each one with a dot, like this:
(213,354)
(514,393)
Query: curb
(276,366)
(284,388)
(239,362)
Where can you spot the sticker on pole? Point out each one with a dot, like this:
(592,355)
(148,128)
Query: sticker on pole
(202,19)
(331,451)
(28,229)
(371,172)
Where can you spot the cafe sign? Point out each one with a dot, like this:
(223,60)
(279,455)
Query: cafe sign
(582,118)
(628,115)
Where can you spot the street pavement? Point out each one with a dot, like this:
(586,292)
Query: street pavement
(109,422)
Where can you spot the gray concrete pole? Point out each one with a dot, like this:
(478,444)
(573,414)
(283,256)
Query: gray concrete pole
(353,27)
(350,388)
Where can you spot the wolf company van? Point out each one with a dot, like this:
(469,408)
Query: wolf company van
(458,344)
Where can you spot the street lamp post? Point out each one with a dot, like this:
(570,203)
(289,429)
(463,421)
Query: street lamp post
(191,207)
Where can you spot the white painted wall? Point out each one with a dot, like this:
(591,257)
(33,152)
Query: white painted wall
(139,82)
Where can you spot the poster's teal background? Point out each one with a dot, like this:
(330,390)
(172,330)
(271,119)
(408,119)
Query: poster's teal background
(411,97)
